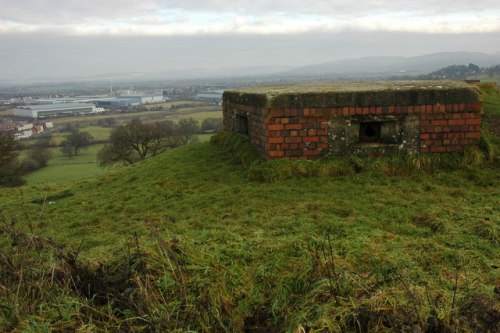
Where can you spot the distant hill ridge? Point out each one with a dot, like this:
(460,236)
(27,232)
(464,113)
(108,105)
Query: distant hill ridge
(392,66)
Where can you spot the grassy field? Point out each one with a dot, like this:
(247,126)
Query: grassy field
(99,133)
(167,105)
(186,241)
(271,255)
(62,169)
(199,116)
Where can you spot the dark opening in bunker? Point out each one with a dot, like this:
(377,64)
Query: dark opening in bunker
(242,123)
(369,132)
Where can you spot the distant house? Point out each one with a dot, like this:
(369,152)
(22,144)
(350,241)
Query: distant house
(24,130)
(8,127)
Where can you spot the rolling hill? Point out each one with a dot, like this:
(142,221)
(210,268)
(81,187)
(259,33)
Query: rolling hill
(395,66)
(186,241)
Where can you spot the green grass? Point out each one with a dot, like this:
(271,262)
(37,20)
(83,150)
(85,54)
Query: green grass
(186,241)
(199,116)
(62,169)
(99,133)
(204,137)
(258,243)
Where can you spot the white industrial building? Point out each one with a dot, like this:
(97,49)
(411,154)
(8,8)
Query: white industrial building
(213,95)
(142,99)
(50,110)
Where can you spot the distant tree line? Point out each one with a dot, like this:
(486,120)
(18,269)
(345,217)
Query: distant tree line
(456,71)
(459,72)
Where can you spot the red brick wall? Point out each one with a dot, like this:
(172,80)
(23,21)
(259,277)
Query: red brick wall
(303,133)
(451,128)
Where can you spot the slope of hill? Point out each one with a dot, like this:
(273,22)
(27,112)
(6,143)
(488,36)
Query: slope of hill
(186,242)
(392,66)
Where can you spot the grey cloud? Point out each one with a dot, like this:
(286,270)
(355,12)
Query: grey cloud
(54,12)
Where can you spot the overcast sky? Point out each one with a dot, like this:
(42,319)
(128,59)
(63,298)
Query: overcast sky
(67,38)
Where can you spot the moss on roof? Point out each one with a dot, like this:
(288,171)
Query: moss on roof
(338,94)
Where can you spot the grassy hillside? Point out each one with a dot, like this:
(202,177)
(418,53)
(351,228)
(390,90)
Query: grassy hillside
(185,241)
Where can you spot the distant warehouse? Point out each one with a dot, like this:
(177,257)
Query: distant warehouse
(41,111)
(142,99)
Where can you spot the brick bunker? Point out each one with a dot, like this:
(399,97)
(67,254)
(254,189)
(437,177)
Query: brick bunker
(367,119)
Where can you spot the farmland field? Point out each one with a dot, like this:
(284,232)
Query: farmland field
(62,169)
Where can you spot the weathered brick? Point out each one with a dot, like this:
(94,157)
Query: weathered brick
(276,140)
(473,121)
(293,139)
(473,135)
(456,122)
(277,112)
(311,132)
(275,127)
(293,126)
(439,122)
(440,149)
(276,153)
(312,152)
(311,139)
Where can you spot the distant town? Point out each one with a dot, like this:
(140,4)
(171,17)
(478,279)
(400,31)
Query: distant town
(27,116)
